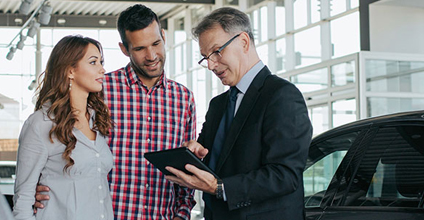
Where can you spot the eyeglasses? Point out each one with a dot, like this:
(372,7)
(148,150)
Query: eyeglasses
(216,55)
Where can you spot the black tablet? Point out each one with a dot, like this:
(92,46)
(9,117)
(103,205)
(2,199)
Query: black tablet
(177,158)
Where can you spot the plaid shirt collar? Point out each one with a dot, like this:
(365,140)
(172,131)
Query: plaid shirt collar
(132,78)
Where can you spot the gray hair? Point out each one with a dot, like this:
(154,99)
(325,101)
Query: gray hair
(230,19)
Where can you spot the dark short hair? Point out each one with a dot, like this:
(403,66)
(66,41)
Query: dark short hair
(230,19)
(135,18)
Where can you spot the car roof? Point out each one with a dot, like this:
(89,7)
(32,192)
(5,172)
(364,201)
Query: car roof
(410,116)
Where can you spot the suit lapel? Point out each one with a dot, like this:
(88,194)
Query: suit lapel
(242,114)
(219,108)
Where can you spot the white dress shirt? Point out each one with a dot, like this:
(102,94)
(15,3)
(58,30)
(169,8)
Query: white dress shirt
(81,193)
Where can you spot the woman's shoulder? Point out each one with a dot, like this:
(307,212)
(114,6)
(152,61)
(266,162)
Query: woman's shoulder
(39,117)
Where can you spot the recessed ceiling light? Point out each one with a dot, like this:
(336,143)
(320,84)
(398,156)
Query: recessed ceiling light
(102,22)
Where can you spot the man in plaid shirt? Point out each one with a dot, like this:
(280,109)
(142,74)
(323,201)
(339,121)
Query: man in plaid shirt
(150,113)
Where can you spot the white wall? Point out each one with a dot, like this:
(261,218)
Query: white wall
(397,29)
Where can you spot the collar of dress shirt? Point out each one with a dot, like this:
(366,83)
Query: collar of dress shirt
(247,79)
(132,77)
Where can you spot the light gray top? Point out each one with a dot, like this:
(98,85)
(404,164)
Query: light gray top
(81,194)
(5,212)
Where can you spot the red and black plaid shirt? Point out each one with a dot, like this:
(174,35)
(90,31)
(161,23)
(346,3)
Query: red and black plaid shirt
(147,120)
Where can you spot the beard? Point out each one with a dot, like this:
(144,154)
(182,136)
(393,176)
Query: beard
(147,74)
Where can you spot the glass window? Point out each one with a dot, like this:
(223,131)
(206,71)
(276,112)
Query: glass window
(253,2)
(323,161)
(280,18)
(23,61)
(337,7)
(254,18)
(216,82)
(180,58)
(311,81)
(281,54)
(300,14)
(109,38)
(344,111)
(319,119)
(47,36)
(382,105)
(45,53)
(345,35)
(343,73)
(317,178)
(394,76)
(200,97)
(182,78)
(231,2)
(114,59)
(195,51)
(354,3)
(179,34)
(307,45)
(263,53)
(391,171)
(8,34)
(264,24)
(315,11)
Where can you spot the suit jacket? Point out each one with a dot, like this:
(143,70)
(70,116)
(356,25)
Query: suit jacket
(262,161)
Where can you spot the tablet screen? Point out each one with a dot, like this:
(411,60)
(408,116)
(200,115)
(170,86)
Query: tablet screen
(177,158)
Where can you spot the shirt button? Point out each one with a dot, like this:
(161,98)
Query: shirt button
(101,201)
(145,207)
(102,216)
(147,185)
(98,169)
(148,118)
(97,155)
(148,140)
(100,187)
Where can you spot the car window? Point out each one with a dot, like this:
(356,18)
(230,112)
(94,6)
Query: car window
(391,172)
(323,160)
(317,177)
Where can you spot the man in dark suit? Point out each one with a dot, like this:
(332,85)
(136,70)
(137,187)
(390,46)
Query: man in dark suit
(262,154)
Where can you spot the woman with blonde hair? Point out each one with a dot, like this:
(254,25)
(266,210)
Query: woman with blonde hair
(62,144)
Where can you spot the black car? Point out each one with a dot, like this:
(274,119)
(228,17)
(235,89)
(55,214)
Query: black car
(368,169)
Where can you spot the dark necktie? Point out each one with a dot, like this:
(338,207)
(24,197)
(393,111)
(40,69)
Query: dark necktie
(223,128)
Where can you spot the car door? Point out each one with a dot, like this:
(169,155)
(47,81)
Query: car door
(380,177)
(328,155)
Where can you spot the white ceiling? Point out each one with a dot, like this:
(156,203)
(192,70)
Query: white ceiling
(88,9)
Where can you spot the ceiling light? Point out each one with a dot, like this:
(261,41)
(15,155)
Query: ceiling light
(25,6)
(18,21)
(32,85)
(102,22)
(33,29)
(61,21)
(21,42)
(45,14)
(9,55)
